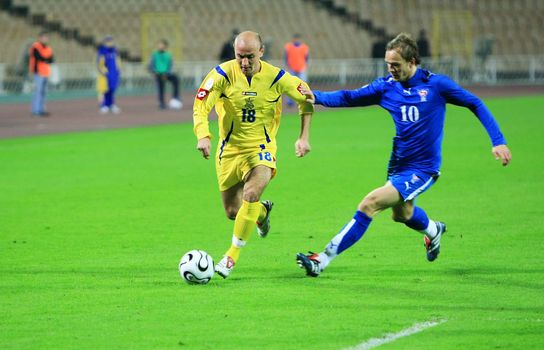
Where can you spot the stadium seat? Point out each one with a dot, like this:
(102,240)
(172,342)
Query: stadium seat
(328,36)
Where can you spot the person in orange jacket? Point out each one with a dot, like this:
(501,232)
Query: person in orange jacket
(40,59)
(296,59)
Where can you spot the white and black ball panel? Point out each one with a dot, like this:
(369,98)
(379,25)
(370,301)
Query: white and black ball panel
(192,279)
(196,267)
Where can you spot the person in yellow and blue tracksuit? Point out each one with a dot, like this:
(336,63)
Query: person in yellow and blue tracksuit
(109,74)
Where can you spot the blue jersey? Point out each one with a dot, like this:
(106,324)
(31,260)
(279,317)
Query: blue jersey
(418,107)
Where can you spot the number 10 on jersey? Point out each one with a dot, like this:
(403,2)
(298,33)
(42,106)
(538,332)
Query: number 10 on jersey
(412,115)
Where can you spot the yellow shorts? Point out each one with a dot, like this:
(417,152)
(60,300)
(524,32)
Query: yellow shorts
(233,169)
(101,84)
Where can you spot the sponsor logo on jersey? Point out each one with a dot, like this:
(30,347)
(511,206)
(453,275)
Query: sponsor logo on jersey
(299,88)
(202,93)
(249,93)
(407,92)
(423,94)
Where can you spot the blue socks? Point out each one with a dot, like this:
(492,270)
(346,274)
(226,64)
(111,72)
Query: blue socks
(349,235)
(419,220)
(356,228)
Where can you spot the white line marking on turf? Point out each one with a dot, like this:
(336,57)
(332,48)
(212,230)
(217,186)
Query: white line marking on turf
(390,337)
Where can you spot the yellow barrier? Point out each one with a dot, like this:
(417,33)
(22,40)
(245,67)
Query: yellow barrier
(161,25)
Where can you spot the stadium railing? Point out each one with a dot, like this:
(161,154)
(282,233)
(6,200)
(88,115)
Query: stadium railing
(495,70)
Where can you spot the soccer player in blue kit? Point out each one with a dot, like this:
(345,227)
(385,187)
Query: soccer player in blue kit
(416,99)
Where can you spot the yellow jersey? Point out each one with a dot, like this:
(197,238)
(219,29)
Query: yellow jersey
(249,109)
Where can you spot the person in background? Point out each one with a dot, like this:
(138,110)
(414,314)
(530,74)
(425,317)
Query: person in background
(40,59)
(296,59)
(227,51)
(161,65)
(109,74)
(423,44)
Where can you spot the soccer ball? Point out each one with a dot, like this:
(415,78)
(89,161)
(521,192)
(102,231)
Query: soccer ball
(196,267)
(175,104)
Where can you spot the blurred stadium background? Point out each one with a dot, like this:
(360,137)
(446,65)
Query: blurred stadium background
(92,224)
(490,42)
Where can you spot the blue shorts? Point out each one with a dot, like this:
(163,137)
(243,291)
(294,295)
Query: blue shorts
(411,183)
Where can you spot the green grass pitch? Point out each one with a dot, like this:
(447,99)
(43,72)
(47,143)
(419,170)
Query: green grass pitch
(92,226)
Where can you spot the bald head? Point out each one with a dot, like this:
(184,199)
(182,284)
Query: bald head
(248,39)
(248,48)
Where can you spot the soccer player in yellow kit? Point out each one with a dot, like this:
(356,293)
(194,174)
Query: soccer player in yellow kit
(246,93)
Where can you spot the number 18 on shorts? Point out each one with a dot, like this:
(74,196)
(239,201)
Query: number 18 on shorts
(233,169)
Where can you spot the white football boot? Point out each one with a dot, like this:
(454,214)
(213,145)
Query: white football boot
(432,246)
(115,109)
(225,266)
(310,263)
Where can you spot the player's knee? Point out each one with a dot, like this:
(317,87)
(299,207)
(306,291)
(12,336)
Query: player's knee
(400,217)
(250,195)
(369,205)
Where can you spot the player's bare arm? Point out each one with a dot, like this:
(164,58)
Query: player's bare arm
(503,153)
(302,145)
(204,146)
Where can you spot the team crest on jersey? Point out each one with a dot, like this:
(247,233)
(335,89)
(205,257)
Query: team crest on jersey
(249,104)
(299,88)
(423,94)
(414,179)
(249,93)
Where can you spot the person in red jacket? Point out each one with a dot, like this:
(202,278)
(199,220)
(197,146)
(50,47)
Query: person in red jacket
(296,59)
(40,59)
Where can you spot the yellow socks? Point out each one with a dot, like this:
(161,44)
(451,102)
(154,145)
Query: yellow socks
(262,213)
(244,225)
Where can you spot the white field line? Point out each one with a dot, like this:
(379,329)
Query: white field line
(390,337)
